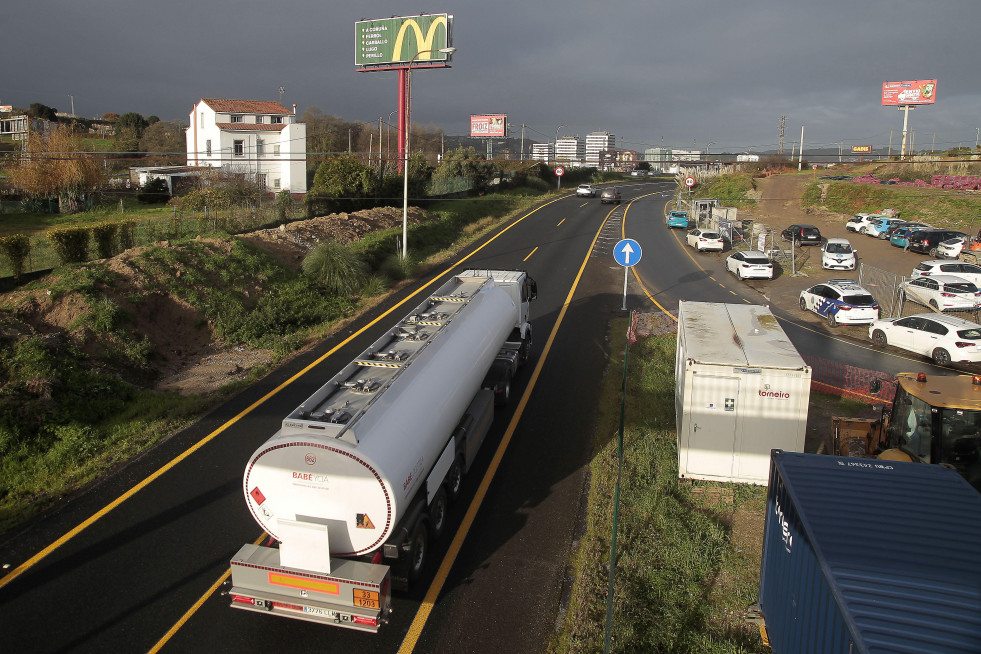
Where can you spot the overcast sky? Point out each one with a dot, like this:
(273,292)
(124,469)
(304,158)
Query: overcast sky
(683,73)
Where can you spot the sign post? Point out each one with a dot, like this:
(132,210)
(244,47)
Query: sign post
(559,171)
(689,182)
(626,253)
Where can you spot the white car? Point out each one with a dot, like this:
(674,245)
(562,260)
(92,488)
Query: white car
(586,191)
(858,222)
(951,248)
(841,301)
(942,292)
(838,254)
(703,239)
(751,264)
(962,269)
(943,338)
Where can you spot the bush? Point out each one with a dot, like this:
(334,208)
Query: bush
(127,231)
(16,248)
(105,239)
(337,267)
(155,191)
(71,244)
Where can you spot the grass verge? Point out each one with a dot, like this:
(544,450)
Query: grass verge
(687,554)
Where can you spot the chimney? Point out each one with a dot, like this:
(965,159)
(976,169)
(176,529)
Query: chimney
(294,108)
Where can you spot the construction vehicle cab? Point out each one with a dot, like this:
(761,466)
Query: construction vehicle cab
(936,419)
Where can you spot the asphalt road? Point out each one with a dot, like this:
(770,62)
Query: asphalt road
(136,563)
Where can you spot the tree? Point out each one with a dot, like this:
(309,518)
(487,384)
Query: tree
(55,164)
(345,178)
(43,112)
(166,138)
(132,121)
(110,117)
(465,162)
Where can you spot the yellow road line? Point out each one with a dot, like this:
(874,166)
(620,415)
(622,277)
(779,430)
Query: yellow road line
(530,253)
(426,607)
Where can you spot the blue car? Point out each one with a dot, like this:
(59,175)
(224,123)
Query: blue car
(678,219)
(900,237)
(879,228)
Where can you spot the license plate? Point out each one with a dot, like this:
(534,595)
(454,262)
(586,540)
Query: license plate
(327,613)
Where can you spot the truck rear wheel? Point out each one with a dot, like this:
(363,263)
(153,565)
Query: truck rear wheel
(438,513)
(418,550)
(454,479)
(503,394)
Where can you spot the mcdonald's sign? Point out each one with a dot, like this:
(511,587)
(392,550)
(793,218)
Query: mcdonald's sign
(388,41)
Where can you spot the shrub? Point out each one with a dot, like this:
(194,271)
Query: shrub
(105,239)
(16,248)
(155,191)
(337,267)
(71,244)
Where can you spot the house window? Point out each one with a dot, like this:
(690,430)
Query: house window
(202,119)
(259,147)
(239,148)
(276,183)
(276,149)
(260,180)
(260,120)
(236,119)
(207,148)
(276,120)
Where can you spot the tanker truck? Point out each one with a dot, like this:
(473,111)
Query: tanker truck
(356,483)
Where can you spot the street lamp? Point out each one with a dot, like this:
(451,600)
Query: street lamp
(555,146)
(405,164)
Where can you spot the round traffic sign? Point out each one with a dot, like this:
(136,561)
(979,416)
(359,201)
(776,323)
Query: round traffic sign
(689,181)
(560,171)
(627,252)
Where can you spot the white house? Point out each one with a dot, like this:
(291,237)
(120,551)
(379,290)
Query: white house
(254,137)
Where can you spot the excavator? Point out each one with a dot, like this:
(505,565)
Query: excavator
(935,419)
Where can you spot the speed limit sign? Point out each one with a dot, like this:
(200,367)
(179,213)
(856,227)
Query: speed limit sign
(560,171)
(689,181)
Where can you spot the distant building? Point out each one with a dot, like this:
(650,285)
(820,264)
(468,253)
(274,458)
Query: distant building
(541,152)
(260,139)
(748,158)
(570,151)
(597,142)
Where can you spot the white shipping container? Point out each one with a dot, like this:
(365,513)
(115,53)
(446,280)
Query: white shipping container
(741,390)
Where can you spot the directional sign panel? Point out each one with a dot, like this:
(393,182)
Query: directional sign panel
(627,252)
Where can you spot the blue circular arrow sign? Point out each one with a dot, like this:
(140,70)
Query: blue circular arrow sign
(627,252)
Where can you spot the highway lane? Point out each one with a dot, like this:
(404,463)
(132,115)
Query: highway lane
(134,576)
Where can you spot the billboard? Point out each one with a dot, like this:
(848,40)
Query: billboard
(861,149)
(921,91)
(488,125)
(392,41)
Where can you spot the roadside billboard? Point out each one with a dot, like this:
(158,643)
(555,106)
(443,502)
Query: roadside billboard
(861,149)
(921,91)
(488,125)
(397,40)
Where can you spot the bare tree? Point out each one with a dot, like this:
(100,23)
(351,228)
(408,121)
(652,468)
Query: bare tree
(55,164)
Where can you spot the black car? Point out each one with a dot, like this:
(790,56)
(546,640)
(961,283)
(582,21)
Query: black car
(925,241)
(802,235)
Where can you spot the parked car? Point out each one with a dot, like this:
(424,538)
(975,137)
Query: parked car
(941,337)
(879,228)
(926,241)
(951,248)
(703,239)
(610,196)
(838,254)
(942,292)
(749,264)
(901,236)
(841,302)
(586,191)
(962,269)
(677,219)
(902,223)
(857,222)
(802,235)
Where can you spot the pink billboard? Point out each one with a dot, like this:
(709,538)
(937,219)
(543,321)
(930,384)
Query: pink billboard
(492,125)
(921,91)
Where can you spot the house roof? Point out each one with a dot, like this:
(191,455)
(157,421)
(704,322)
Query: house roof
(246,106)
(251,127)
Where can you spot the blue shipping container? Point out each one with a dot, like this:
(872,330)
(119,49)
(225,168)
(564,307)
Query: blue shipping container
(869,556)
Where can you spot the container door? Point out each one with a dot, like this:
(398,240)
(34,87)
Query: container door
(711,427)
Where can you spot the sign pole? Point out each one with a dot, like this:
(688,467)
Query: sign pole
(626,253)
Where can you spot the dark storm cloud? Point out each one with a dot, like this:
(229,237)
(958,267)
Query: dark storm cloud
(681,74)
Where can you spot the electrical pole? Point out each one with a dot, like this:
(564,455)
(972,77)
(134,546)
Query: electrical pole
(783,124)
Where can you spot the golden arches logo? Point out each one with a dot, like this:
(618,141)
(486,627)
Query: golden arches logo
(425,43)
